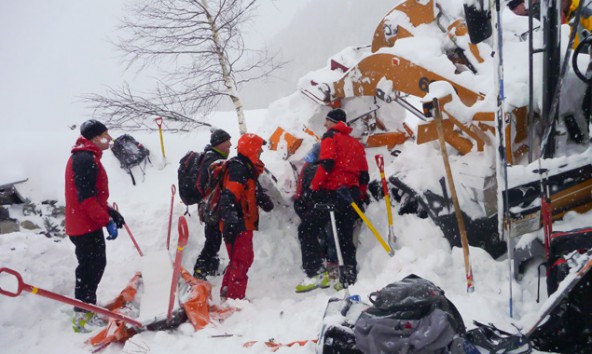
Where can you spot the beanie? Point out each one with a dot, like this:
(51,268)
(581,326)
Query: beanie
(92,128)
(218,137)
(336,115)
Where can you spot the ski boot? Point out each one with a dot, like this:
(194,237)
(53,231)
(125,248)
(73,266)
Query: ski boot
(320,280)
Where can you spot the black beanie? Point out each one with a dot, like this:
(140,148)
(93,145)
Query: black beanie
(218,137)
(336,115)
(92,128)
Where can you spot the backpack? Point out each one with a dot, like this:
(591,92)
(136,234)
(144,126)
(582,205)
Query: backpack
(187,175)
(209,207)
(130,153)
(409,316)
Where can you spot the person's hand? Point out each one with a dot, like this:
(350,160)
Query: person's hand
(112,230)
(263,200)
(117,218)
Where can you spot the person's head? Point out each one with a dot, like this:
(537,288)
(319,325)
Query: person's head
(333,117)
(251,146)
(220,140)
(96,132)
(519,7)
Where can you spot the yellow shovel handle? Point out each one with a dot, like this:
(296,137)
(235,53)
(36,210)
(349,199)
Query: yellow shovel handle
(371,227)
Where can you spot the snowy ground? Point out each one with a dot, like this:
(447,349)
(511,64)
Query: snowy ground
(31,324)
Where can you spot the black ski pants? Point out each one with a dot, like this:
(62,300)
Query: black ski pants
(313,224)
(208,260)
(92,260)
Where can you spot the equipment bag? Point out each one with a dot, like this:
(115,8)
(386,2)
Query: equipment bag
(187,175)
(408,316)
(130,153)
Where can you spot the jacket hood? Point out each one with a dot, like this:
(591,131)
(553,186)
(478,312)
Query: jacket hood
(248,146)
(342,128)
(83,144)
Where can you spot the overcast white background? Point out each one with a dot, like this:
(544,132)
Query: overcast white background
(53,52)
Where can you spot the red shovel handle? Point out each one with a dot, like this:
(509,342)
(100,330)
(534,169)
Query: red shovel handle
(61,298)
(158,121)
(173,189)
(380,162)
(19,281)
(183,232)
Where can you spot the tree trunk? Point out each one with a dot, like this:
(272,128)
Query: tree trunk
(228,80)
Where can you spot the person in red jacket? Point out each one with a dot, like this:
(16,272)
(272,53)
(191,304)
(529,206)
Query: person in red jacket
(343,168)
(87,212)
(241,197)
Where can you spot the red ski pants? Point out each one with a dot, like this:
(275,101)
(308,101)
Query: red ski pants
(234,283)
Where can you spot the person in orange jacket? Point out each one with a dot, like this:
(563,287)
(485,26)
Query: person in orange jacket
(240,200)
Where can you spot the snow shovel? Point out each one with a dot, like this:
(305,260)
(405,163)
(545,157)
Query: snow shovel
(21,285)
(183,236)
(158,121)
(129,232)
(344,193)
(387,200)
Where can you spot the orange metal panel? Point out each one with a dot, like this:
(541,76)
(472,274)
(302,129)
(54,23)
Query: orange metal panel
(389,139)
(405,76)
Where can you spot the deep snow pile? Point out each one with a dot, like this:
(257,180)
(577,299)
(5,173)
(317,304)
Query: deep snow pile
(30,323)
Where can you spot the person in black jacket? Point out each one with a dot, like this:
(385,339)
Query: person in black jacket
(207,262)
(313,223)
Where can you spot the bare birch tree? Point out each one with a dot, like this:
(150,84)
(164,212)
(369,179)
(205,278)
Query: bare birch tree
(197,48)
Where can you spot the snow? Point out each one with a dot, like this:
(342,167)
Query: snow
(273,310)
(31,323)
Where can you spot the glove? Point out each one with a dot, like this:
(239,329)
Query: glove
(117,218)
(112,230)
(230,231)
(264,201)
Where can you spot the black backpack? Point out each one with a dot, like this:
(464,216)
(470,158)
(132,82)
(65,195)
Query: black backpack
(130,153)
(187,175)
(408,316)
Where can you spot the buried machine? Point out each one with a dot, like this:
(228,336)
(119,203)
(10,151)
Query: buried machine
(519,142)
(507,150)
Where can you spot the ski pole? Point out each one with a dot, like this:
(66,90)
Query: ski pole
(173,191)
(457,211)
(331,209)
(22,286)
(183,236)
(387,200)
(344,193)
(129,233)
(158,121)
